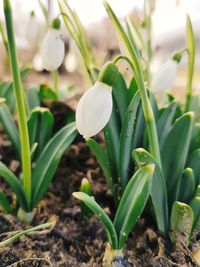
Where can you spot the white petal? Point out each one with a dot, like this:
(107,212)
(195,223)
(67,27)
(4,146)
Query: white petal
(52,50)
(94,109)
(165,77)
(32,30)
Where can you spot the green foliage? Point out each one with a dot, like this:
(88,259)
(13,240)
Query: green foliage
(44,169)
(130,207)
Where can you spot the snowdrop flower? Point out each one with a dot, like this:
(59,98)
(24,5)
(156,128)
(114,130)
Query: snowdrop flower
(53,48)
(95,106)
(32,28)
(166,75)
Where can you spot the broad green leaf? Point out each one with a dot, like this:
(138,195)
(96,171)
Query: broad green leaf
(133,88)
(133,202)
(40,126)
(138,137)
(112,133)
(47,93)
(5,203)
(92,204)
(165,121)
(181,222)
(33,98)
(195,140)
(126,140)
(3,88)
(47,163)
(195,204)
(197,192)
(159,197)
(9,96)
(102,158)
(187,186)
(9,126)
(120,93)
(174,153)
(194,164)
(15,184)
(195,105)
(8,92)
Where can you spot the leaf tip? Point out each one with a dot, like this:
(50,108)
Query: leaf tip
(150,168)
(77,195)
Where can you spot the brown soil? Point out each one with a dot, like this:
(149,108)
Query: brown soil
(74,241)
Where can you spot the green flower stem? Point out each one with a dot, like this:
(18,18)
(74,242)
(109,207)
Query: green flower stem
(191,61)
(148,26)
(56,82)
(77,32)
(44,11)
(148,112)
(23,129)
(121,57)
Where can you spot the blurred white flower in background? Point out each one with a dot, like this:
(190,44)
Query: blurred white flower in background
(32,29)
(164,78)
(52,50)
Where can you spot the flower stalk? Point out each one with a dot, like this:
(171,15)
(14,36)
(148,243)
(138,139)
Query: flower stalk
(191,61)
(23,129)
(148,112)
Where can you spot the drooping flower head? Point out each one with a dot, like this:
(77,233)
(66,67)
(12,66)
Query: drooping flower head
(53,48)
(165,77)
(95,106)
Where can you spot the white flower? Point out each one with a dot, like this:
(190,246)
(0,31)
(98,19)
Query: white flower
(94,109)
(165,77)
(52,50)
(32,29)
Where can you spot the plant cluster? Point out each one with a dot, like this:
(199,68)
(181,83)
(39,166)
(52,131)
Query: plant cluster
(150,152)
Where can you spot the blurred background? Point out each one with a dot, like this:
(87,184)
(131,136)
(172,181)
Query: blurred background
(168,36)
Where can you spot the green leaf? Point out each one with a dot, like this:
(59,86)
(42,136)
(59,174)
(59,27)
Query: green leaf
(165,122)
(112,133)
(102,158)
(195,204)
(191,53)
(40,126)
(187,186)
(9,126)
(174,153)
(5,203)
(126,140)
(47,93)
(133,202)
(15,184)
(197,192)
(33,98)
(181,222)
(25,232)
(133,88)
(138,137)
(47,163)
(193,163)
(92,204)
(159,197)
(121,95)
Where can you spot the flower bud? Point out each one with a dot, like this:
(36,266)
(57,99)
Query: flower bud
(53,48)
(95,106)
(165,77)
